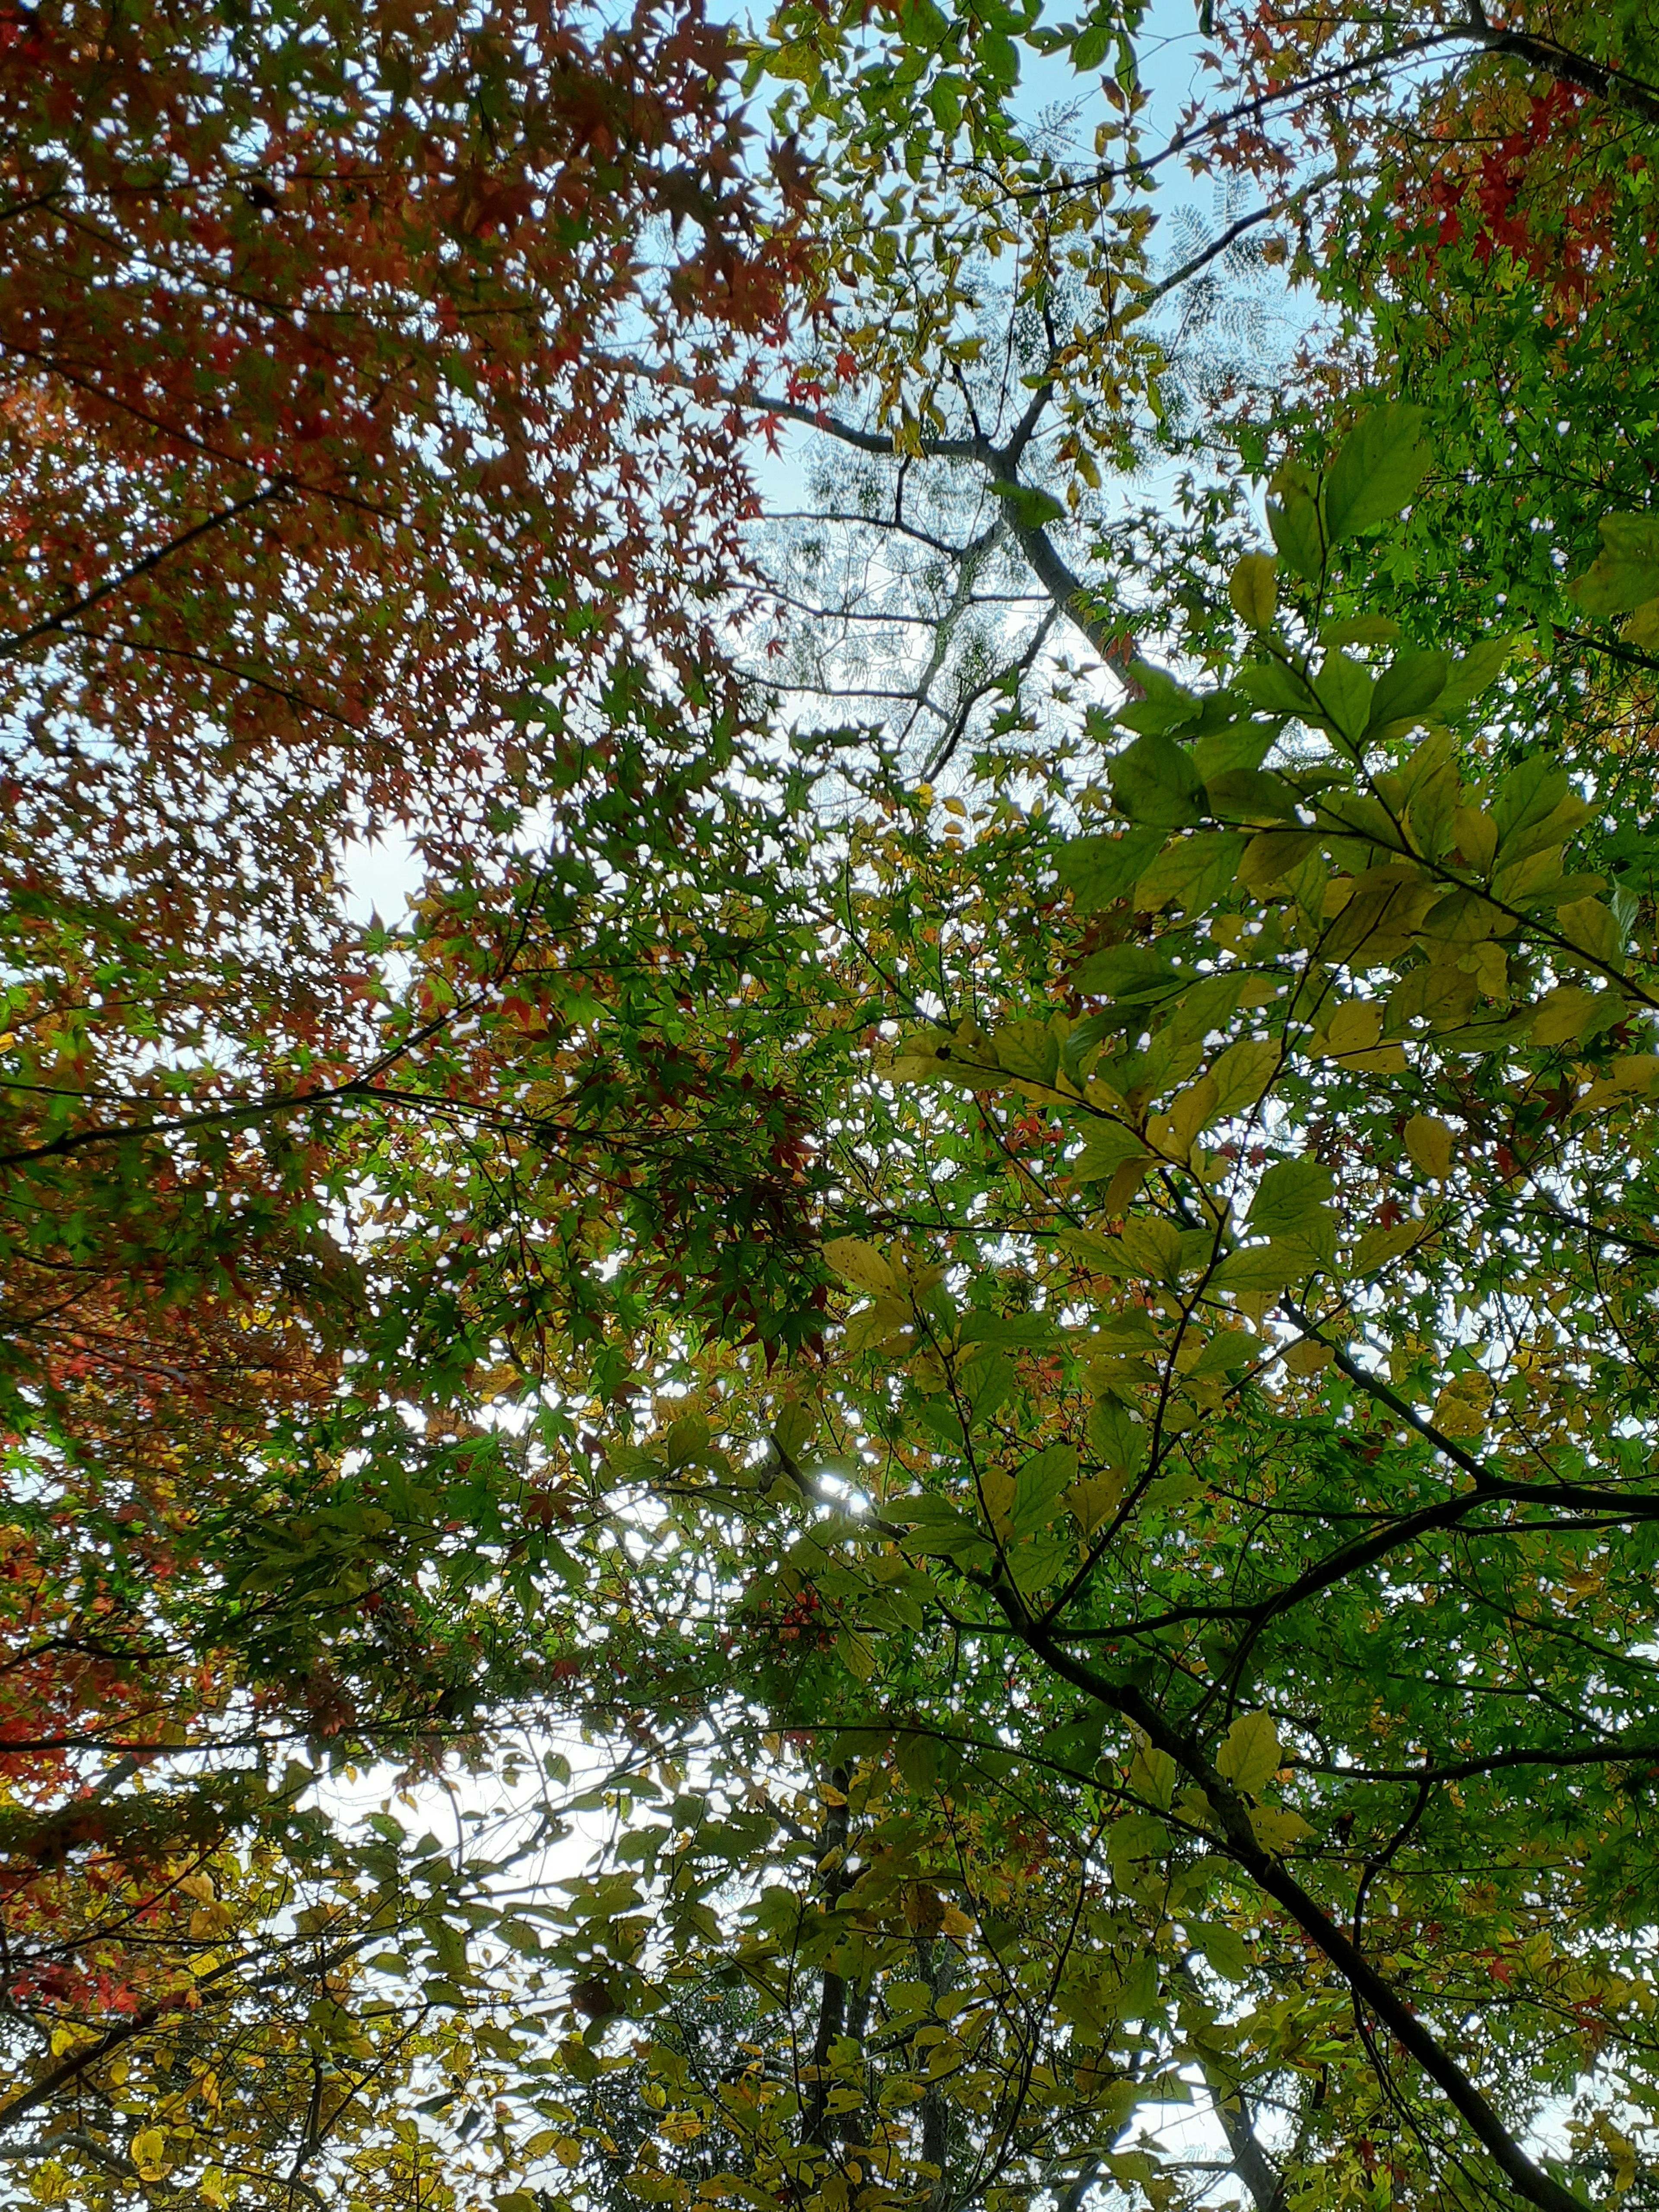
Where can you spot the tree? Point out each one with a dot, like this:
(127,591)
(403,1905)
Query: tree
(1233,1481)
(1183,1635)
(327,521)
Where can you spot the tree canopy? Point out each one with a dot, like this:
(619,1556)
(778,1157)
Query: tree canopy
(904,1465)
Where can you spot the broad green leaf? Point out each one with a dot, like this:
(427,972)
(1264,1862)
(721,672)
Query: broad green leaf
(1293,518)
(1029,1049)
(1196,872)
(1290,1195)
(1223,1948)
(1038,1487)
(1625,574)
(1345,691)
(1100,870)
(1378,467)
(1105,1149)
(1154,782)
(1407,688)
(1243,1072)
(1256,1269)
(1118,1441)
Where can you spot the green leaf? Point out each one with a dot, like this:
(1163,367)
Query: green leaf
(1193,872)
(1529,794)
(1105,1149)
(1028,1049)
(1293,518)
(1407,688)
(1099,870)
(1242,1072)
(1380,465)
(1345,690)
(1256,1270)
(1476,673)
(1117,1440)
(1091,48)
(1290,1195)
(1625,574)
(1270,684)
(1223,1948)
(1154,781)
(1030,508)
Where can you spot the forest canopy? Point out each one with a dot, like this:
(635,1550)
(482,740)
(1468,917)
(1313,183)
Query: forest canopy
(830,1082)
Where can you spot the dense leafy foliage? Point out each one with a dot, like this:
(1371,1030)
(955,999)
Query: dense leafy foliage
(950,1363)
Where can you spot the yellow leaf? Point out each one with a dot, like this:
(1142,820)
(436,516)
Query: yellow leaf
(1307,1358)
(1475,835)
(1588,926)
(1095,1499)
(1243,1073)
(861,1265)
(1563,1013)
(149,2153)
(1250,1756)
(1428,1142)
(1254,589)
(1355,1027)
(1278,1827)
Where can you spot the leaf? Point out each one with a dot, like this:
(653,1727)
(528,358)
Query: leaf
(1476,671)
(1105,1149)
(1359,630)
(1407,688)
(1276,1827)
(149,2153)
(1293,518)
(1377,469)
(1243,1072)
(1099,870)
(860,1265)
(1038,1487)
(1270,684)
(1290,1195)
(1226,1351)
(1529,794)
(1154,782)
(1151,1246)
(1223,1948)
(1345,691)
(1194,871)
(1588,926)
(1625,573)
(857,1654)
(1254,589)
(1028,1049)
(1256,1269)
(1429,1143)
(1117,1440)
(1250,1756)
